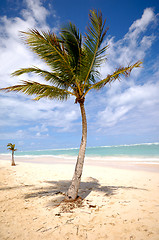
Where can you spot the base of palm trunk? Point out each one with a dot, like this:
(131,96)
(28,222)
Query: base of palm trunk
(72,192)
(69,205)
(13,164)
(69,199)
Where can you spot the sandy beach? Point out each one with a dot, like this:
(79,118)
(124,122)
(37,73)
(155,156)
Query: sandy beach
(118,202)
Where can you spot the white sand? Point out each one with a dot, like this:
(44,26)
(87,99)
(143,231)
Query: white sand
(118,203)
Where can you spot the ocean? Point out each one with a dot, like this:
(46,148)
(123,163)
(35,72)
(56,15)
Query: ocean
(146,150)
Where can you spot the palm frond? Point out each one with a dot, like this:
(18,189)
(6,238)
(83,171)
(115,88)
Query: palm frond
(40,90)
(94,37)
(72,41)
(116,75)
(49,48)
(11,147)
(9,144)
(54,78)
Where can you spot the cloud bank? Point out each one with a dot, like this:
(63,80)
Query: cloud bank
(124,107)
(133,102)
(16,110)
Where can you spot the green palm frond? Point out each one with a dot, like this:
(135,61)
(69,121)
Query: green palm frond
(54,78)
(94,37)
(40,90)
(72,40)
(51,49)
(11,147)
(116,75)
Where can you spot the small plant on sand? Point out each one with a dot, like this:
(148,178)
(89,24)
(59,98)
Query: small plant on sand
(73,60)
(12,148)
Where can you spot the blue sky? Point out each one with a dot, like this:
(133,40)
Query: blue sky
(124,112)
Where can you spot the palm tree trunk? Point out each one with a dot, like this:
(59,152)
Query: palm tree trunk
(13,163)
(74,187)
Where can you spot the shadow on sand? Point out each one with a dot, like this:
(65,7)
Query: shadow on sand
(56,189)
(15,187)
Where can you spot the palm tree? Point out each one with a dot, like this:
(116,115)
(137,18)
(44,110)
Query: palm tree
(73,60)
(12,148)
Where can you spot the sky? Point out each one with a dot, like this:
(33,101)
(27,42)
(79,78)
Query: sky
(125,112)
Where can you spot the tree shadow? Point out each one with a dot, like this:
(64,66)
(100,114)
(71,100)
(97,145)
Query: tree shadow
(15,187)
(57,189)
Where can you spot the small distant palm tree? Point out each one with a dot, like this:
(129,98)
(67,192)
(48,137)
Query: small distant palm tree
(12,148)
(74,61)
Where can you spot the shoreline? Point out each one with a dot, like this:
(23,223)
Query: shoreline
(113,162)
(93,157)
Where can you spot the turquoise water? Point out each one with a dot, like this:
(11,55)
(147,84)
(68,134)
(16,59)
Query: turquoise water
(150,150)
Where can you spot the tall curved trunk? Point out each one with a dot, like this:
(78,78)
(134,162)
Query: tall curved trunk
(72,192)
(13,163)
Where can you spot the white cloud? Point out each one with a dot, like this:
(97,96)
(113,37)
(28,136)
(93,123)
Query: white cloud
(20,134)
(127,104)
(133,46)
(136,94)
(41,128)
(110,116)
(141,24)
(138,103)
(14,53)
(35,10)
(16,110)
